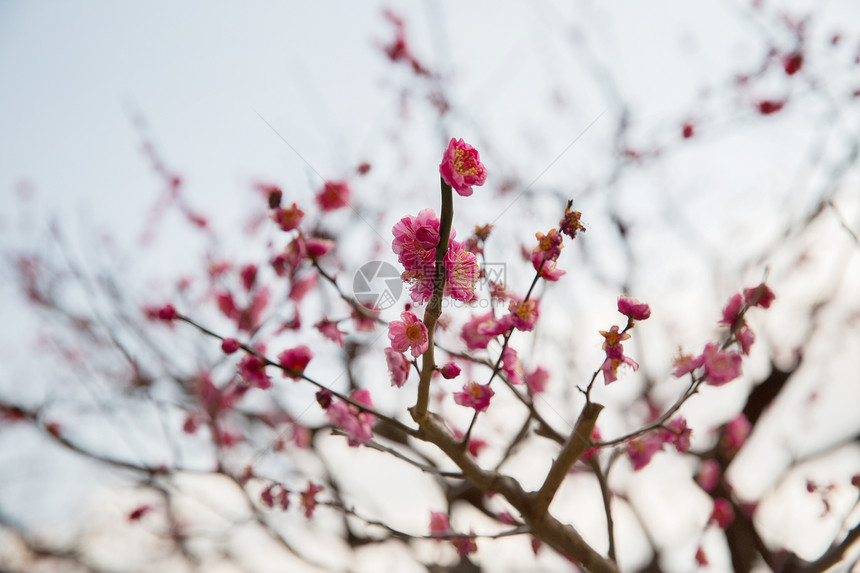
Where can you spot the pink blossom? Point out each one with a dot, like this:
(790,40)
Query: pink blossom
(614,354)
(548,248)
(720,366)
(736,434)
(511,365)
(641,450)
(686,363)
(449,371)
(357,424)
(723,514)
(759,296)
(461,167)
(252,369)
(523,314)
(709,475)
(462,270)
(167,312)
(678,433)
(701,557)
(398,367)
(550,272)
(536,380)
(633,309)
(230,345)
(248,273)
(288,219)
(439,524)
(746,338)
(475,396)
(421,280)
(302,286)
(416,238)
(318,247)
(480,330)
(295,359)
(408,334)
(333,195)
(308,499)
(732,311)
(329,329)
(464,545)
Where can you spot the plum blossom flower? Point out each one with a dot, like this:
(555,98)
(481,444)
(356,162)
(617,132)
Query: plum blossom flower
(167,312)
(475,396)
(723,514)
(462,270)
(720,366)
(398,367)
(615,354)
(641,450)
(548,248)
(686,363)
(732,311)
(357,424)
(511,365)
(295,359)
(537,379)
(678,434)
(408,334)
(480,330)
(329,329)
(523,314)
(759,296)
(416,238)
(633,309)
(333,195)
(461,167)
(230,345)
(288,219)
(252,369)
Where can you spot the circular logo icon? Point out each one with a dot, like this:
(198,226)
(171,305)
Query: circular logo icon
(377,285)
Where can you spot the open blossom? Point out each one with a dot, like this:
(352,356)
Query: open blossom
(478,332)
(523,314)
(641,450)
(288,219)
(408,334)
(357,424)
(398,367)
(548,248)
(610,367)
(720,366)
(759,296)
(732,311)
(329,329)
(686,363)
(462,270)
(475,396)
(252,369)
(678,434)
(614,354)
(295,359)
(333,195)
(461,167)
(416,238)
(550,271)
(633,309)
(536,380)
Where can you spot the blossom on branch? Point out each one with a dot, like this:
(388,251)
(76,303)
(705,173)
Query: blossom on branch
(633,309)
(523,314)
(333,195)
(295,359)
(720,366)
(475,396)
(398,367)
(408,334)
(461,167)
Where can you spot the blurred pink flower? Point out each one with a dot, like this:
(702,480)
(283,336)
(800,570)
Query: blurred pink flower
(333,195)
(475,396)
(720,366)
(295,359)
(523,314)
(398,367)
